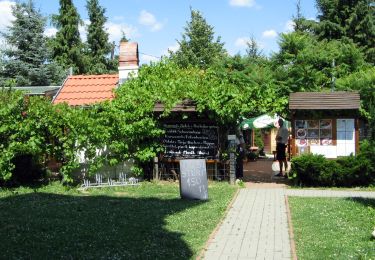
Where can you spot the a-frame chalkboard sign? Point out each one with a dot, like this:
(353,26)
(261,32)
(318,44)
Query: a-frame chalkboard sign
(193,179)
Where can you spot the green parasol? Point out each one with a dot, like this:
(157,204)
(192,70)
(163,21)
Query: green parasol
(263,121)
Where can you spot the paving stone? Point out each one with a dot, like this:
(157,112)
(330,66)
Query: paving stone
(256,226)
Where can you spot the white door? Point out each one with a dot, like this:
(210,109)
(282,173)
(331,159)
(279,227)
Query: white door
(345,137)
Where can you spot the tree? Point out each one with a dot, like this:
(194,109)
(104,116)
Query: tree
(305,64)
(67,46)
(301,24)
(40,130)
(98,45)
(27,58)
(198,47)
(348,19)
(362,81)
(253,51)
(123,37)
(223,92)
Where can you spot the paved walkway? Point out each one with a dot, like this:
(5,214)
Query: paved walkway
(256,226)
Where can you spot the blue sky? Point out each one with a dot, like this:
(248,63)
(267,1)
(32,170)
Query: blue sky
(157,24)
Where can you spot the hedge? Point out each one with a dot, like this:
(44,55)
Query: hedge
(351,171)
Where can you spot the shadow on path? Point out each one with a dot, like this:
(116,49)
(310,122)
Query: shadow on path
(260,171)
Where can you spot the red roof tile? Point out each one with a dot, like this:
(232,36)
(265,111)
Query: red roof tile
(79,90)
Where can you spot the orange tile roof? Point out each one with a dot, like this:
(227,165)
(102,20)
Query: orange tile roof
(80,90)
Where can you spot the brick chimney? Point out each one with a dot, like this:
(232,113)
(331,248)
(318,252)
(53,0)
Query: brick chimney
(128,60)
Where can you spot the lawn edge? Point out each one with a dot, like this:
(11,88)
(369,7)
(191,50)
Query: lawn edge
(291,231)
(213,233)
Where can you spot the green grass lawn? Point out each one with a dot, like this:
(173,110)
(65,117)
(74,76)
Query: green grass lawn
(145,222)
(333,228)
(369,188)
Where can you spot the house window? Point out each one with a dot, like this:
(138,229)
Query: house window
(345,137)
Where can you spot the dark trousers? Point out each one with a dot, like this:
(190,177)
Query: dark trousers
(239,163)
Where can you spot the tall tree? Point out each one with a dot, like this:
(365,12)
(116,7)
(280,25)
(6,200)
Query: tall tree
(67,46)
(362,81)
(305,64)
(26,57)
(98,44)
(301,24)
(353,19)
(253,51)
(198,46)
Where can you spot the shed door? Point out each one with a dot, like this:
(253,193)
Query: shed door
(345,137)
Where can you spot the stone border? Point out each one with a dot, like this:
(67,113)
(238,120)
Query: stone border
(291,231)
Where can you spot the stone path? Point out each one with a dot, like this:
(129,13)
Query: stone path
(256,226)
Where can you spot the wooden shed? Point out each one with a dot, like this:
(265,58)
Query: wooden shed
(325,123)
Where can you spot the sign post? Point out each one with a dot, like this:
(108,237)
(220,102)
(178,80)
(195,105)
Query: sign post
(156,168)
(232,158)
(193,179)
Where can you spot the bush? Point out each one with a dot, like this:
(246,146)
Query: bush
(315,170)
(367,150)
(251,156)
(27,170)
(355,171)
(258,138)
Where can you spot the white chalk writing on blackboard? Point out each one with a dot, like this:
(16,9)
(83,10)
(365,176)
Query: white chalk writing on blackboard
(190,140)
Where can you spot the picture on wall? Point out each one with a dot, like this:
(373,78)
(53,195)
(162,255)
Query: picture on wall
(326,124)
(312,133)
(301,133)
(301,142)
(301,124)
(326,141)
(313,124)
(325,133)
(314,141)
(317,132)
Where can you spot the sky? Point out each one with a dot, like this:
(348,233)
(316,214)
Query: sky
(157,25)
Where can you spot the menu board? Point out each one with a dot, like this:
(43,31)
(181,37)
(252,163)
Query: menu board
(313,132)
(193,179)
(190,140)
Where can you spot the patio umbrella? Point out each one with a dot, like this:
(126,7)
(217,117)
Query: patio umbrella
(263,121)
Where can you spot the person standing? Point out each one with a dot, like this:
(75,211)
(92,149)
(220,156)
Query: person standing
(281,143)
(240,152)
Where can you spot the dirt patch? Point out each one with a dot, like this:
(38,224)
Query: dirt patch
(121,194)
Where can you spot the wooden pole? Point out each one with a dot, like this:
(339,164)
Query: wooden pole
(252,138)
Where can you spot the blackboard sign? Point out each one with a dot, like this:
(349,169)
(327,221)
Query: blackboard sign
(190,140)
(193,179)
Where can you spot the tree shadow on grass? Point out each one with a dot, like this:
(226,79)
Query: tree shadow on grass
(370,204)
(41,226)
(367,202)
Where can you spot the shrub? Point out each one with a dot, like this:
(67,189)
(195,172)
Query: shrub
(315,170)
(367,150)
(27,169)
(355,171)
(33,130)
(251,156)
